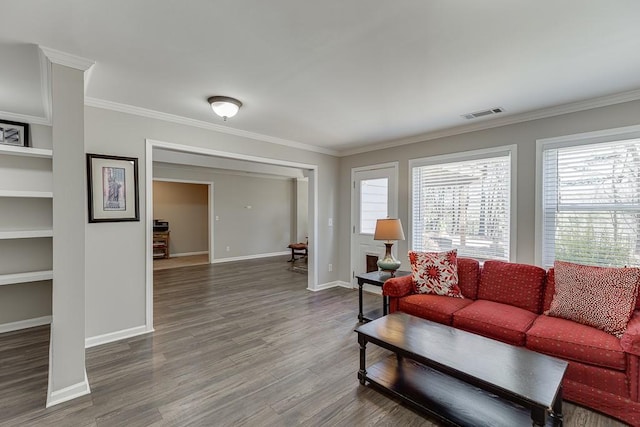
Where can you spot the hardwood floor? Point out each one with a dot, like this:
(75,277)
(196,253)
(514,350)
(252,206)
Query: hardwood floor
(182,261)
(239,343)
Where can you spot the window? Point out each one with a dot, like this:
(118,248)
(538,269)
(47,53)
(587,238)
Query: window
(464,201)
(591,201)
(373,205)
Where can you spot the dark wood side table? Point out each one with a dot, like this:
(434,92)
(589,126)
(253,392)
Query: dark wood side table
(375,278)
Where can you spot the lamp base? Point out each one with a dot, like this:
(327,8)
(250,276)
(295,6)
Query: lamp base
(389,263)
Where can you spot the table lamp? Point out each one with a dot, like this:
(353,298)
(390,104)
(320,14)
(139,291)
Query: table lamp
(388,229)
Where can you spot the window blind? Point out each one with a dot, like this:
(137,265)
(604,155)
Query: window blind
(374,197)
(591,204)
(463,204)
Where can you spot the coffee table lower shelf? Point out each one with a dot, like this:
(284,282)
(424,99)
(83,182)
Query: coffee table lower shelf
(372,315)
(448,399)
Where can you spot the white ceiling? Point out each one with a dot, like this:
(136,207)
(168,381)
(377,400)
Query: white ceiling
(336,74)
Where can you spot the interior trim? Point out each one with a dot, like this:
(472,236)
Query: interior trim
(68,393)
(542,113)
(25,324)
(152,114)
(115,336)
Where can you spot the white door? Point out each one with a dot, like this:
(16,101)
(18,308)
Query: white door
(375,196)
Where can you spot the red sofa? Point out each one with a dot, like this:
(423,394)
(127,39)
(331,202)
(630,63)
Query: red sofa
(505,301)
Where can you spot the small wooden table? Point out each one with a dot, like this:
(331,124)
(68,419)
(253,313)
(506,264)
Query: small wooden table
(460,378)
(375,278)
(161,244)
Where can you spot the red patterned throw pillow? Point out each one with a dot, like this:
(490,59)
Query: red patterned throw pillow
(602,297)
(435,273)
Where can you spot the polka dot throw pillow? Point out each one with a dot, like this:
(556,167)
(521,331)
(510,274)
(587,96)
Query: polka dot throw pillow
(602,297)
(435,273)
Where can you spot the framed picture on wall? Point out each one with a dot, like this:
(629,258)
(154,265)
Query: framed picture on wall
(112,185)
(14,133)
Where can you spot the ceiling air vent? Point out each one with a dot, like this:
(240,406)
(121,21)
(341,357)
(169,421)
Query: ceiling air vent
(483,113)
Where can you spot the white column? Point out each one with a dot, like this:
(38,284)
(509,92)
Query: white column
(67,375)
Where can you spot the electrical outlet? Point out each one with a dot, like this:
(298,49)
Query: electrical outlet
(330,222)
(228,248)
(330,267)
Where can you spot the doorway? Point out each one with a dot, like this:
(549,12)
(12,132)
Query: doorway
(186,206)
(374,196)
(310,171)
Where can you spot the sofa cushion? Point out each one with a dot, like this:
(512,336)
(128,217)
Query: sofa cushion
(495,320)
(511,283)
(437,308)
(570,340)
(468,277)
(435,272)
(601,297)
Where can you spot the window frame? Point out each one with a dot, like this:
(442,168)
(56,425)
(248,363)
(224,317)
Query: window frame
(511,150)
(574,140)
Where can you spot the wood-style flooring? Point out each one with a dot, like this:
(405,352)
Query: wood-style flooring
(236,344)
(182,261)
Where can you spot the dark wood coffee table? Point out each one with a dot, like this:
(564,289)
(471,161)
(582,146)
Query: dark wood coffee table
(460,378)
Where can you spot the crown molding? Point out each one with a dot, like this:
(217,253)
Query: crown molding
(25,118)
(144,112)
(558,110)
(67,59)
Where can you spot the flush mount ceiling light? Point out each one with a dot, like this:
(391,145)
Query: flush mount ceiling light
(224,106)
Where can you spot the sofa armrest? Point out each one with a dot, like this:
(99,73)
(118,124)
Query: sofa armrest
(398,286)
(630,341)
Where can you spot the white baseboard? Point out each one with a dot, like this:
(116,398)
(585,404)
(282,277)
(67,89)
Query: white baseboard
(116,336)
(246,257)
(68,393)
(24,324)
(329,285)
(372,289)
(188,254)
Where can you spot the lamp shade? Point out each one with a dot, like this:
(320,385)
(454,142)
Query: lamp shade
(388,229)
(224,106)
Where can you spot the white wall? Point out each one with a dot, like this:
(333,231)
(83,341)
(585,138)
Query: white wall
(523,134)
(186,207)
(262,229)
(115,256)
(301,210)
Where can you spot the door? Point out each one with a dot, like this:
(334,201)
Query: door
(375,196)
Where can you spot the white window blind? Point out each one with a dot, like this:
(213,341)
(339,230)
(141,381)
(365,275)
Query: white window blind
(374,197)
(463,204)
(591,204)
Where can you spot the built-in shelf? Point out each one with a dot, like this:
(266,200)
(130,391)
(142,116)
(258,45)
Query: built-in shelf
(25,234)
(31,194)
(26,229)
(26,151)
(33,276)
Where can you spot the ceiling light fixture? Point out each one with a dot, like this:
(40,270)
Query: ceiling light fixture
(224,106)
